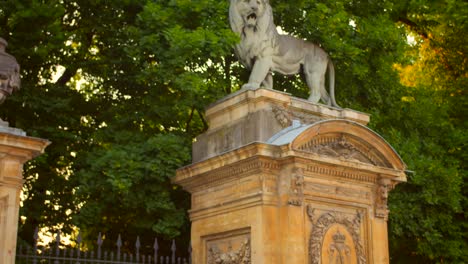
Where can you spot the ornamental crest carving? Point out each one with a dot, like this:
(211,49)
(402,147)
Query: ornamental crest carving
(335,238)
(341,147)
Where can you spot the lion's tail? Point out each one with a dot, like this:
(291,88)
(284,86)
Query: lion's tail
(331,75)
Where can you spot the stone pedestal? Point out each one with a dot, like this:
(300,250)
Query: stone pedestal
(277,179)
(15,150)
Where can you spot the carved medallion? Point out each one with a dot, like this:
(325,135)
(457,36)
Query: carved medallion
(335,237)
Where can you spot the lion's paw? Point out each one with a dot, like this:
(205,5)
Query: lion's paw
(250,86)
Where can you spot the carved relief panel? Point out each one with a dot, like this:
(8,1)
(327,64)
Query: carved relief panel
(229,248)
(335,237)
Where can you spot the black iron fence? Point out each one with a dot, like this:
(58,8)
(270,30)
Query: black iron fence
(59,254)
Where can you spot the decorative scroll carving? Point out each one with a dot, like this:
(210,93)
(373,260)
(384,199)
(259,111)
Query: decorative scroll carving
(297,187)
(339,147)
(285,116)
(240,256)
(323,223)
(381,198)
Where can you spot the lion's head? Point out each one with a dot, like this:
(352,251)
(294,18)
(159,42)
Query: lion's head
(249,14)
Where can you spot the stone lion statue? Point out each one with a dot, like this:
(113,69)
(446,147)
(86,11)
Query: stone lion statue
(263,50)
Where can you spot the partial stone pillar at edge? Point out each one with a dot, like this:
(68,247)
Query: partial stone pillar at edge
(15,150)
(277,179)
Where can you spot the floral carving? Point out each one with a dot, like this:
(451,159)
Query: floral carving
(323,223)
(297,187)
(240,256)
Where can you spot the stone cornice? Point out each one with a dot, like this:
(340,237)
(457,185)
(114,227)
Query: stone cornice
(22,147)
(257,157)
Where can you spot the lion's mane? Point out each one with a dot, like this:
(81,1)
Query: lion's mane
(263,39)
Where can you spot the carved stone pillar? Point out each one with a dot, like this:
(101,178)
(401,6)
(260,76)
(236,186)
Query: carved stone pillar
(15,150)
(277,179)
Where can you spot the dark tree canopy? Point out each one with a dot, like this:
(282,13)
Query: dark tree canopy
(120,87)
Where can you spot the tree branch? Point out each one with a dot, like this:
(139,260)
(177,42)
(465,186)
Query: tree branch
(205,124)
(413,26)
(66,76)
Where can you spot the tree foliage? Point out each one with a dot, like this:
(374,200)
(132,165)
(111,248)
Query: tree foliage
(119,87)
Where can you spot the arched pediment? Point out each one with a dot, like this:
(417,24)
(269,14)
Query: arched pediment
(349,140)
(342,139)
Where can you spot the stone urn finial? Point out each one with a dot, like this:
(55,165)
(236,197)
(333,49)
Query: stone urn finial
(9,73)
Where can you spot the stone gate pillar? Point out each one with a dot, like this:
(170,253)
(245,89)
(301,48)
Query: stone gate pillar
(277,179)
(15,150)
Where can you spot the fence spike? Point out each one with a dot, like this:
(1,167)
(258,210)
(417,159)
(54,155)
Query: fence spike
(156,248)
(137,247)
(173,249)
(79,239)
(35,237)
(119,245)
(137,243)
(57,243)
(190,253)
(99,243)
(119,241)
(99,239)
(57,247)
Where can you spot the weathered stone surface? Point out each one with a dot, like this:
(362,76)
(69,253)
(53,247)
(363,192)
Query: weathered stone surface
(15,150)
(309,193)
(255,116)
